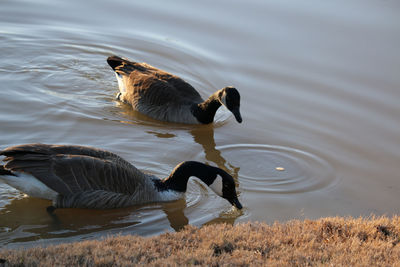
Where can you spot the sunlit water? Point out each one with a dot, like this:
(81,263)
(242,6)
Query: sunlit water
(320,89)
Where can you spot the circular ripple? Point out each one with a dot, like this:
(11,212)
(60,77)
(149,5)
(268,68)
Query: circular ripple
(276,169)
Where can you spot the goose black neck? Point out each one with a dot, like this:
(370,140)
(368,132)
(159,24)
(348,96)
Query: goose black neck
(179,177)
(205,112)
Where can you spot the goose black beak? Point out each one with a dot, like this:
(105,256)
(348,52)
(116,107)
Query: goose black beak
(235,202)
(237,115)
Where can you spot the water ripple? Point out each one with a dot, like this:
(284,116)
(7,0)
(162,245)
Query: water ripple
(278,169)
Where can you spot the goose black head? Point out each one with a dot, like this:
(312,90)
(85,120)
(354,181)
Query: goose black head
(230,98)
(224,186)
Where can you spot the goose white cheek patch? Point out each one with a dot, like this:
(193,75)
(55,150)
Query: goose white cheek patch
(216,186)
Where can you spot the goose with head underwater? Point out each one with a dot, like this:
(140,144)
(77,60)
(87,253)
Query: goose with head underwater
(166,97)
(86,177)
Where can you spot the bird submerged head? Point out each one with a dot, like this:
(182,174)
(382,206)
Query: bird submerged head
(224,186)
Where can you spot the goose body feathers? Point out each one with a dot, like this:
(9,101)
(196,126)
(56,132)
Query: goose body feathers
(86,177)
(164,96)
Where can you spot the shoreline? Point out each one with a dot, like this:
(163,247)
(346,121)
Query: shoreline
(326,241)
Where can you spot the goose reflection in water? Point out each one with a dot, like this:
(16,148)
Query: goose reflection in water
(204,136)
(26,226)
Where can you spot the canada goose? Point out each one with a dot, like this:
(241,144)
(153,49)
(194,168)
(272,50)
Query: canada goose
(86,177)
(164,96)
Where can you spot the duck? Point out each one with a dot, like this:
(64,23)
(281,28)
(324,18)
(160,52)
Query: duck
(166,97)
(73,176)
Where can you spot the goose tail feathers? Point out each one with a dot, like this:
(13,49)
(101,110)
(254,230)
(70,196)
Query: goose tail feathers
(114,61)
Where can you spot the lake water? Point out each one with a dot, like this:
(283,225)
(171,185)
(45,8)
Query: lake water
(320,87)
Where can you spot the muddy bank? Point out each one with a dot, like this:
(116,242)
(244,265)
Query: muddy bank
(327,241)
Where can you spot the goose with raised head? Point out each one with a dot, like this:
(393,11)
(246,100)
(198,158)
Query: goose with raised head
(86,177)
(166,97)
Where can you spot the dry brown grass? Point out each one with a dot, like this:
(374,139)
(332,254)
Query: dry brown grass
(329,241)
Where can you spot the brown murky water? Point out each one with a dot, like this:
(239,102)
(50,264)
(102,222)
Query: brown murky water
(320,90)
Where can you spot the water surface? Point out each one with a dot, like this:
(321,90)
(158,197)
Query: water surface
(320,91)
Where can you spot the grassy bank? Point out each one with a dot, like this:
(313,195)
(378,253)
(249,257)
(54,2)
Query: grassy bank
(328,241)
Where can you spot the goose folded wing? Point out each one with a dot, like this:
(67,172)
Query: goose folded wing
(70,174)
(183,88)
(17,152)
(180,86)
(95,199)
(158,92)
